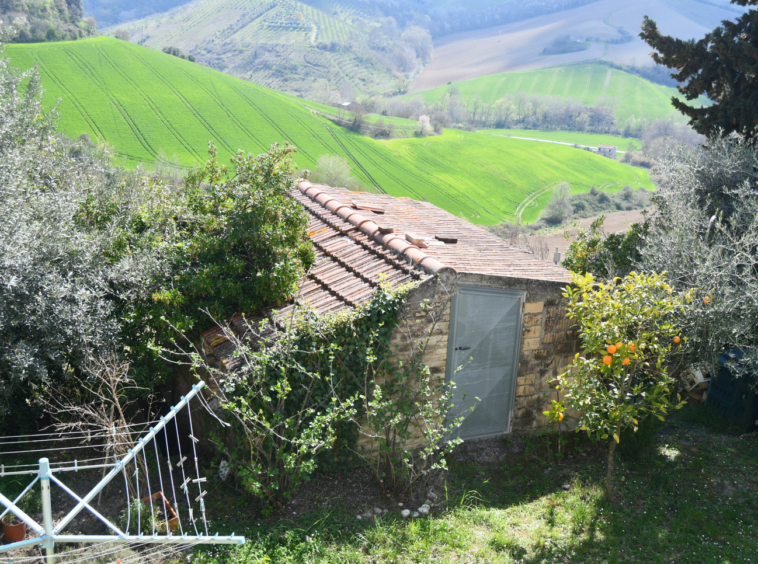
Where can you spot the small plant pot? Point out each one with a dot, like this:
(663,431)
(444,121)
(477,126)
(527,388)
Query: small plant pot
(173,518)
(14,533)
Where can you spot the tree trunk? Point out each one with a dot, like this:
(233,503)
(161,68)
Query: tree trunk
(609,476)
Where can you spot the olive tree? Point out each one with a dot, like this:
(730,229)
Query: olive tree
(61,282)
(704,235)
(97,261)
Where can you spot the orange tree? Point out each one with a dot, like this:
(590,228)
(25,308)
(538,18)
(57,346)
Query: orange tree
(627,330)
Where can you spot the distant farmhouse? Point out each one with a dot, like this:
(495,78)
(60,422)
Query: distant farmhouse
(607,151)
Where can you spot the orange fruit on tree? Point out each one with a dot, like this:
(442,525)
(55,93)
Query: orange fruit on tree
(619,345)
(626,361)
(560,417)
(631,347)
(707,300)
(607,360)
(612,349)
(677,339)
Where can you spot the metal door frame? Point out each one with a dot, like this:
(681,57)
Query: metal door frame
(450,369)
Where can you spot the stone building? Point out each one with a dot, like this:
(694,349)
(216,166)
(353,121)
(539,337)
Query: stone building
(607,151)
(499,312)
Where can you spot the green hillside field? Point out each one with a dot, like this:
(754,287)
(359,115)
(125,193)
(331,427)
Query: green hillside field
(506,176)
(572,137)
(589,84)
(149,106)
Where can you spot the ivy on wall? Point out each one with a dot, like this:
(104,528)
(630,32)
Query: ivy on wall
(292,400)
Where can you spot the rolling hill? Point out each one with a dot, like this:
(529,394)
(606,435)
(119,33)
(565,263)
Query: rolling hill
(590,84)
(282,44)
(519,46)
(115,12)
(152,107)
(287,44)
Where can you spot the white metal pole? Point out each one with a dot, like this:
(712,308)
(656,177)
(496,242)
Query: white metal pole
(145,539)
(47,510)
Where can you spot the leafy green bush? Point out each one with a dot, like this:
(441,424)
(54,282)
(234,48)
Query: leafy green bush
(606,255)
(243,242)
(142,518)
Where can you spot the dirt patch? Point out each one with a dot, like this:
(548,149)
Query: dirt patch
(614,222)
(494,450)
(357,492)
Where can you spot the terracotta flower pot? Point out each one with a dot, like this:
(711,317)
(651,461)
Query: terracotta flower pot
(173,519)
(14,533)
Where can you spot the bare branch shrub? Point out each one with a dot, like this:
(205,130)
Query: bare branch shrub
(405,407)
(102,405)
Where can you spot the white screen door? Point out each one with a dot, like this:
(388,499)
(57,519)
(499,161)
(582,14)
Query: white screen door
(485,338)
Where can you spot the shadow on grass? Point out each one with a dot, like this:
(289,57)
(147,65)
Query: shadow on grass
(689,498)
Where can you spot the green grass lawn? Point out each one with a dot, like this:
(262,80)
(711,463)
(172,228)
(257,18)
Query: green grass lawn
(150,107)
(691,498)
(580,138)
(632,95)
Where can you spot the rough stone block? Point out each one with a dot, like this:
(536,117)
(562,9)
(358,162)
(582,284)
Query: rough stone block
(565,348)
(532,332)
(558,324)
(556,337)
(532,319)
(530,344)
(523,413)
(555,312)
(524,390)
(526,379)
(542,354)
(534,307)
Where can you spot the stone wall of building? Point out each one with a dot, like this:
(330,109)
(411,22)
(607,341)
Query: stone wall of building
(424,322)
(548,347)
(548,343)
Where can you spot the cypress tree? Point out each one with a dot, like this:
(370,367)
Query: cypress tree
(723,66)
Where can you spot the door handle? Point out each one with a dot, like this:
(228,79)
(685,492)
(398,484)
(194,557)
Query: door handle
(464,348)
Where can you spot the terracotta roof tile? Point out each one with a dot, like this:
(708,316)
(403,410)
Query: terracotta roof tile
(466,247)
(349,266)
